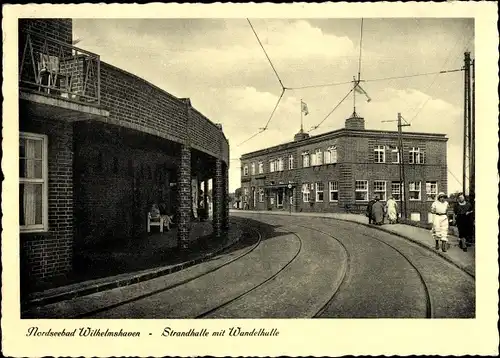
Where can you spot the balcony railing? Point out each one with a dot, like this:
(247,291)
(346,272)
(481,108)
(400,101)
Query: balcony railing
(58,69)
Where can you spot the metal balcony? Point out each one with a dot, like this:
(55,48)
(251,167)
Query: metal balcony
(57,69)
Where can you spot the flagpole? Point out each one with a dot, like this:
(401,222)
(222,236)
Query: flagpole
(354,97)
(301,115)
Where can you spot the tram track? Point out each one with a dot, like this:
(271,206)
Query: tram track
(241,295)
(429,308)
(345,270)
(177,284)
(430,300)
(270,278)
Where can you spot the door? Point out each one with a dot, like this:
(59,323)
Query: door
(279,199)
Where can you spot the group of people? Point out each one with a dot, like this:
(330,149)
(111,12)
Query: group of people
(377,211)
(463,218)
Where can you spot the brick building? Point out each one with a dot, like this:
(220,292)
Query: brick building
(344,169)
(98,146)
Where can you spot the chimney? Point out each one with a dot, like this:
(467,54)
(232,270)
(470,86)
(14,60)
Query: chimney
(301,135)
(355,122)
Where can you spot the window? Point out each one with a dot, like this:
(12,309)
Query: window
(320,188)
(305,159)
(33,193)
(280,164)
(319,157)
(379,189)
(379,154)
(305,193)
(261,167)
(361,193)
(414,190)
(313,159)
(245,170)
(261,195)
(396,190)
(331,155)
(334,191)
(417,156)
(394,154)
(290,162)
(272,166)
(431,190)
(415,216)
(253,168)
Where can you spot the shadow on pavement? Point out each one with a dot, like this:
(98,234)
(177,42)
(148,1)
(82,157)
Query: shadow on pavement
(120,256)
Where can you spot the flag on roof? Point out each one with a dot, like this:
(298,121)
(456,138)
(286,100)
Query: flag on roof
(360,90)
(305,110)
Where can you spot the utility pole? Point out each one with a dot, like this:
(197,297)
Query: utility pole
(466,162)
(472,157)
(402,178)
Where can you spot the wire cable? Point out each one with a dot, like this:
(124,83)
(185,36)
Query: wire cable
(269,120)
(415,75)
(274,110)
(253,136)
(453,175)
(360,48)
(375,79)
(316,86)
(263,49)
(334,108)
(434,81)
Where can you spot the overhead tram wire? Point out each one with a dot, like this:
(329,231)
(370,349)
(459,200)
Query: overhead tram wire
(360,49)
(453,175)
(334,108)
(356,83)
(323,85)
(283,88)
(376,79)
(434,81)
(269,120)
(263,49)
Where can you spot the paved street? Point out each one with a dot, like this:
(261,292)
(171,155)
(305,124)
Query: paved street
(294,267)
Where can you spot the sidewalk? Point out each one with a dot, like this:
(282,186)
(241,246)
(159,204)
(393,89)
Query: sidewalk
(422,237)
(127,262)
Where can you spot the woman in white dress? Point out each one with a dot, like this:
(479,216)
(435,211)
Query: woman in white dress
(392,210)
(440,222)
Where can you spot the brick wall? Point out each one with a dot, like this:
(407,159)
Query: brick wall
(57,29)
(218,198)
(137,104)
(356,161)
(49,254)
(117,181)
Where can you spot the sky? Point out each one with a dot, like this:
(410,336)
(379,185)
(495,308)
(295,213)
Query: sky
(220,66)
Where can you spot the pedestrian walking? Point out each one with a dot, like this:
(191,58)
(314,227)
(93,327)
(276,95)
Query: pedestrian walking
(378,211)
(463,213)
(392,210)
(440,221)
(369,212)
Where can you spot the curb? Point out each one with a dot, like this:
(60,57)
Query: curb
(99,287)
(445,257)
(439,253)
